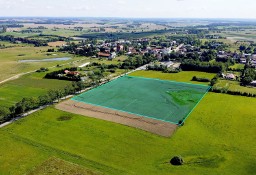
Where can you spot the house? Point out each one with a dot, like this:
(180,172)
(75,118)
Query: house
(112,56)
(71,73)
(243,60)
(103,54)
(253,83)
(253,60)
(230,76)
(107,55)
(119,48)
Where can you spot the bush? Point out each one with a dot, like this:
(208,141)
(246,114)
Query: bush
(112,70)
(177,160)
(200,79)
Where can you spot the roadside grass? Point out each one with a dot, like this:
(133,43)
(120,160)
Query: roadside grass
(234,86)
(216,139)
(184,76)
(30,85)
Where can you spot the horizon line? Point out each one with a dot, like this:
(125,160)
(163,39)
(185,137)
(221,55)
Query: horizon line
(201,18)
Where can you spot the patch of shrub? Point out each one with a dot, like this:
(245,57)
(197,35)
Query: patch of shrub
(64,118)
(177,160)
(200,79)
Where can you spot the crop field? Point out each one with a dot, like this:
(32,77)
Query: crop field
(184,76)
(246,35)
(152,98)
(209,142)
(30,85)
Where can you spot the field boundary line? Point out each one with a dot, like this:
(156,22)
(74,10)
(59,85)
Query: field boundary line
(177,82)
(196,105)
(124,111)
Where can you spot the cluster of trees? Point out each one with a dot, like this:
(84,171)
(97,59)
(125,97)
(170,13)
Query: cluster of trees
(207,55)
(195,78)
(137,61)
(248,75)
(60,75)
(12,39)
(27,104)
(226,91)
(50,50)
(247,49)
(214,45)
(42,69)
(3,29)
(80,49)
(215,80)
(191,65)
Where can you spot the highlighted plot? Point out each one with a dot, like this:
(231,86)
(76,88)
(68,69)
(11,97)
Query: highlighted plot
(151,98)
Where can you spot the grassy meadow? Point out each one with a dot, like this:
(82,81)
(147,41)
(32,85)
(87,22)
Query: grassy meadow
(210,142)
(217,138)
(234,86)
(10,65)
(30,85)
(237,66)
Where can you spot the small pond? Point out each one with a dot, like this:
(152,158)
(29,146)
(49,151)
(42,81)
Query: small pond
(46,60)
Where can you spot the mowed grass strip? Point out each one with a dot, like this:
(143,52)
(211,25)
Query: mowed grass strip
(217,138)
(184,76)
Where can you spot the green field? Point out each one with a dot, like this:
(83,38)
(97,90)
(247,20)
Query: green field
(184,76)
(30,85)
(10,65)
(59,167)
(234,86)
(216,139)
(237,66)
(153,98)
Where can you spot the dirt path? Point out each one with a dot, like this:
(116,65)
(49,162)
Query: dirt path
(24,73)
(16,77)
(154,126)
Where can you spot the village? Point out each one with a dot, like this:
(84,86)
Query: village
(169,53)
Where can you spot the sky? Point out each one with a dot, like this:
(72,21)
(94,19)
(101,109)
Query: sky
(130,8)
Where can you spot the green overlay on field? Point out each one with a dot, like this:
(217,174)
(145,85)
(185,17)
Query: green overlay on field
(167,101)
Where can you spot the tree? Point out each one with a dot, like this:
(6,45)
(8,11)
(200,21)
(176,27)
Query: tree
(4,29)
(249,75)
(52,95)
(4,112)
(44,99)
(242,48)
